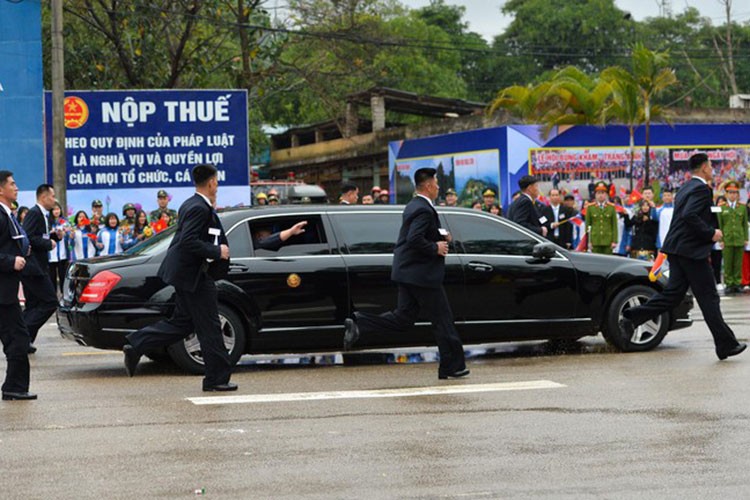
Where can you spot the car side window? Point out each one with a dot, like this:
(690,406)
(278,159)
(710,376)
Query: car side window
(311,242)
(239,241)
(483,235)
(368,233)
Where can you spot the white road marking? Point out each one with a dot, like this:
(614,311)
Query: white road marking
(376,393)
(92,353)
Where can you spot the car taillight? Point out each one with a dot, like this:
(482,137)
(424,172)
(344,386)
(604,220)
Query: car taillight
(99,287)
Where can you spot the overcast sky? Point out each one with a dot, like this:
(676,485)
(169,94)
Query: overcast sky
(484,16)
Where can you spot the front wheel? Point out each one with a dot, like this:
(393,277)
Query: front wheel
(647,336)
(187,353)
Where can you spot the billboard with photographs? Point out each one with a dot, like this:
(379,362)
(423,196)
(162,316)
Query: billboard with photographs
(470,173)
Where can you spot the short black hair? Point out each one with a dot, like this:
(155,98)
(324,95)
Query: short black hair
(43,189)
(569,197)
(107,217)
(4,175)
(526,181)
(696,161)
(203,173)
(348,187)
(647,188)
(423,175)
(555,189)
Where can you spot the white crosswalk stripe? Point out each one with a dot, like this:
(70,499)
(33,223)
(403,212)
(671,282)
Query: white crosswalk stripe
(376,393)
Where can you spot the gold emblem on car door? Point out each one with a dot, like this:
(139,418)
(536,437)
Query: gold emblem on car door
(293,280)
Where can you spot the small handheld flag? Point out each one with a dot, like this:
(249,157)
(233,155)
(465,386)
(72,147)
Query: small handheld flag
(657,269)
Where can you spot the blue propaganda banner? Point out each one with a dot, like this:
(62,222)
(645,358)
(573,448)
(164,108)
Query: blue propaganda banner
(125,146)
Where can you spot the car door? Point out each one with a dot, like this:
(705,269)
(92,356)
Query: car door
(366,241)
(508,294)
(297,288)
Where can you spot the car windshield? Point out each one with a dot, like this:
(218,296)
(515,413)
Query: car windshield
(154,244)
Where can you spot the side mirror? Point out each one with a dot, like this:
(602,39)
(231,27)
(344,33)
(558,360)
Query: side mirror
(543,252)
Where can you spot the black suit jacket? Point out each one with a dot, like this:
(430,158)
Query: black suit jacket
(9,250)
(566,230)
(523,211)
(186,262)
(415,258)
(34,224)
(693,225)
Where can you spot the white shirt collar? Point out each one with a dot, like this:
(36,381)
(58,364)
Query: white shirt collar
(426,198)
(528,196)
(6,208)
(704,181)
(44,210)
(208,202)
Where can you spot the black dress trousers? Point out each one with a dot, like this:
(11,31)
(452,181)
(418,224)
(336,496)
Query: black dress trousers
(698,276)
(15,339)
(411,300)
(194,312)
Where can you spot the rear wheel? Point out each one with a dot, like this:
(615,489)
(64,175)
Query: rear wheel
(647,336)
(187,354)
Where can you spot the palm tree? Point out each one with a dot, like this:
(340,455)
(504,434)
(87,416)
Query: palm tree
(625,105)
(525,103)
(653,77)
(575,98)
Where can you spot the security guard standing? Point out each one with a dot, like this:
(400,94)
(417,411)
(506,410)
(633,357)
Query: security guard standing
(601,222)
(733,223)
(451,198)
(162,198)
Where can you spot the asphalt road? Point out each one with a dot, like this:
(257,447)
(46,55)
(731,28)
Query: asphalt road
(589,423)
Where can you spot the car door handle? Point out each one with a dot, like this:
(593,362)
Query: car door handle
(480,267)
(238,268)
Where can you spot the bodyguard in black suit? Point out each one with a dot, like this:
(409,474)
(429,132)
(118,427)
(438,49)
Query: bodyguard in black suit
(688,245)
(196,257)
(419,269)
(559,230)
(41,298)
(13,246)
(523,210)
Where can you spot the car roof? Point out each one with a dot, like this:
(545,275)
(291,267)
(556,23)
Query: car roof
(232,215)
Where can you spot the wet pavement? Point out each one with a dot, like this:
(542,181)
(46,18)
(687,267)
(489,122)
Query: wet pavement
(531,421)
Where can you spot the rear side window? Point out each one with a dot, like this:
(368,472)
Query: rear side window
(485,236)
(368,233)
(312,242)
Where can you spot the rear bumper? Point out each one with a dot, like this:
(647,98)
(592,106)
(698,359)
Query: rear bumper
(87,325)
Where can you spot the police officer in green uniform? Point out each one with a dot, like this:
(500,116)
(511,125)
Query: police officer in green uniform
(162,198)
(733,223)
(601,222)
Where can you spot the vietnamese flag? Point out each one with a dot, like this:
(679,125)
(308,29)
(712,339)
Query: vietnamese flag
(635,197)
(612,191)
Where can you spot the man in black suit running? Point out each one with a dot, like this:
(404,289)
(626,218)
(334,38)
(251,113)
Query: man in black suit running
(198,248)
(523,210)
(13,247)
(41,298)
(419,269)
(688,245)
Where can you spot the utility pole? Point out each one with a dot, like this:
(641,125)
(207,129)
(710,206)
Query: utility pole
(58,97)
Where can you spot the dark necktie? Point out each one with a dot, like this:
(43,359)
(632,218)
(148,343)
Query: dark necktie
(23,240)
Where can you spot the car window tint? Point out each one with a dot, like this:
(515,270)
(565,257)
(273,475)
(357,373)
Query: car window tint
(312,242)
(482,235)
(368,233)
(153,245)
(239,241)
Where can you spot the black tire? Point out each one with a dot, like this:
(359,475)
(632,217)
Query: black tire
(187,355)
(647,336)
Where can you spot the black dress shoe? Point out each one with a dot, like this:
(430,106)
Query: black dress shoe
(458,374)
(18,396)
(32,349)
(351,333)
(229,386)
(732,352)
(626,327)
(131,359)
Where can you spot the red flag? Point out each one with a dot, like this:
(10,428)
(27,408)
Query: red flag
(635,197)
(543,199)
(620,209)
(583,246)
(612,191)
(656,269)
